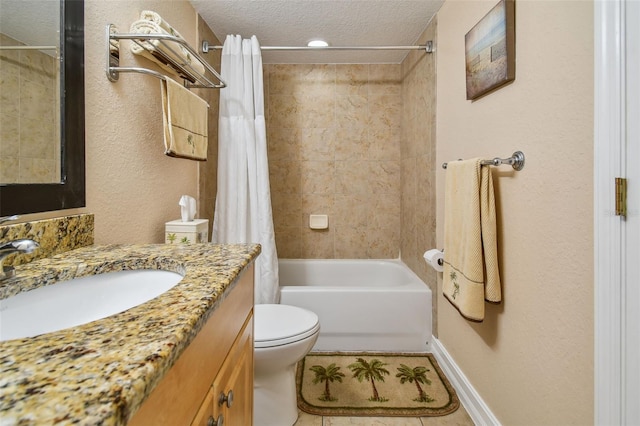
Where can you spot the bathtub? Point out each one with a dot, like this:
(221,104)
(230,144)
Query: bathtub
(368,305)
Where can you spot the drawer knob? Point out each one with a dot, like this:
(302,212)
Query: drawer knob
(228,398)
(216,422)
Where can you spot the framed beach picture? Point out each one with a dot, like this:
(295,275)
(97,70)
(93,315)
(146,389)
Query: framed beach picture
(490,51)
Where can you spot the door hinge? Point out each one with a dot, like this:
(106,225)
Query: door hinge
(621,197)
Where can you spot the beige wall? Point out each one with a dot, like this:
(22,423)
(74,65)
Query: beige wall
(418,144)
(334,148)
(532,358)
(132,187)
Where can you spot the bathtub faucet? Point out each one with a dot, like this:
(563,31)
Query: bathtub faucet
(17,246)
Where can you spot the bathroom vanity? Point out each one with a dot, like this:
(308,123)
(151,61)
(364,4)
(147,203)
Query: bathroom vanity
(185,357)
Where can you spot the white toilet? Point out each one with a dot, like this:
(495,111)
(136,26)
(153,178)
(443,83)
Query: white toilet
(283,335)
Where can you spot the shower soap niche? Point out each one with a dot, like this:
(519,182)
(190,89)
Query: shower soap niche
(318,221)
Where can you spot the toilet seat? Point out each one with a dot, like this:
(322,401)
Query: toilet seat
(277,325)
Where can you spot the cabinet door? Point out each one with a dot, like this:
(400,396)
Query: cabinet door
(233,386)
(205,413)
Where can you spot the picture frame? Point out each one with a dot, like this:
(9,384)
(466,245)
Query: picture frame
(490,51)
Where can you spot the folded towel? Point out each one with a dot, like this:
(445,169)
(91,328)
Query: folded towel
(150,15)
(471,273)
(184,115)
(163,52)
(114,44)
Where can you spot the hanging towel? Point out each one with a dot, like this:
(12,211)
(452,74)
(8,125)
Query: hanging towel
(164,52)
(471,273)
(184,115)
(114,45)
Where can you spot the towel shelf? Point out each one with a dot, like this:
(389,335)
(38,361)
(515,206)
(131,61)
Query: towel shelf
(193,78)
(516,161)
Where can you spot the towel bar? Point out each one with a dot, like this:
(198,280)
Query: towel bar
(516,161)
(186,70)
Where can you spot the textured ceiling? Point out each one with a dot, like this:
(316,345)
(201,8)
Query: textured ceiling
(339,22)
(33,22)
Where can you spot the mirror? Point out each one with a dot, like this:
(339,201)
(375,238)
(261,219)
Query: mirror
(67,189)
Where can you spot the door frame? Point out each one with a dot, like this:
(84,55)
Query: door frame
(614,246)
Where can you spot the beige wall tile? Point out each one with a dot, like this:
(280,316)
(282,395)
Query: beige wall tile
(9,169)
(318,177)
(352,79)
(9,90)
(352,177)
(385,111)
(35,170)
(284,111)
(385,79)
(384,143)
(352,111)
(384,177)
(351,210)
(351,243)
(284,144)
(417,147)
(317,244)
(285,177)
(317,144)
(352,143)
(286,209)
(9,137)
(288,241)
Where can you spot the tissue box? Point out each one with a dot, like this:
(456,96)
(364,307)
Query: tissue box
(179,232)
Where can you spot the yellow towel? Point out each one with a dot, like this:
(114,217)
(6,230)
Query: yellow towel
(471,273)
(184,115)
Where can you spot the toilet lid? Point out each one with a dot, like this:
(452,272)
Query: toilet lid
(277,325)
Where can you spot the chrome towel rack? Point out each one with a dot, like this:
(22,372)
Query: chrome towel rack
(168,42)
(516,161)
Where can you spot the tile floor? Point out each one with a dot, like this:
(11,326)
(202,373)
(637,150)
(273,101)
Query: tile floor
(457,418)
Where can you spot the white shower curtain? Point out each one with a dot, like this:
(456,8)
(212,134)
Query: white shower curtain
(243,202)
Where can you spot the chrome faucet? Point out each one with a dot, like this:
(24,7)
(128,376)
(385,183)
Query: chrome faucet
(8,218)
(16,246)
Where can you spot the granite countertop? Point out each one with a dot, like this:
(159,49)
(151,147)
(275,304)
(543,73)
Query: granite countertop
(101,372)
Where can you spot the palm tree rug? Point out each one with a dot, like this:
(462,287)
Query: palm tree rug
(373,384)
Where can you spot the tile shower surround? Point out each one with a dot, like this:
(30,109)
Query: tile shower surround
(333,136)
(354,142)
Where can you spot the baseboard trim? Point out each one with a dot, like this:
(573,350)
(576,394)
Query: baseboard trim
(469,397)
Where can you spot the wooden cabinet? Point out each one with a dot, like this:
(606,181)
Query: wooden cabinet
(230,399)
(218,360)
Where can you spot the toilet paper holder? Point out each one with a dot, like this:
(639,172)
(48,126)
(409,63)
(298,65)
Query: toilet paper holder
(434,258)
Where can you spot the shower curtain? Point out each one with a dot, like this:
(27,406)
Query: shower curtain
(243,201)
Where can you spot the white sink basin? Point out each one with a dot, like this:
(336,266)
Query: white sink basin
(79,301)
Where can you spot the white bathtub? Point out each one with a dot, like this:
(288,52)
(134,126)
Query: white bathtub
(369,305)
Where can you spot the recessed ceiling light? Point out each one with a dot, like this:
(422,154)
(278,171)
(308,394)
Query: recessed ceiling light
(317,43)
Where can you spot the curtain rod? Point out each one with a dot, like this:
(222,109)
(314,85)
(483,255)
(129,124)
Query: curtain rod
(428,48)
(28,47)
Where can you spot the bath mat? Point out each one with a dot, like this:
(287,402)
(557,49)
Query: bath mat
(373,384)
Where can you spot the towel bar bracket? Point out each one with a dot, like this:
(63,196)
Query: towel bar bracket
(516,161)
